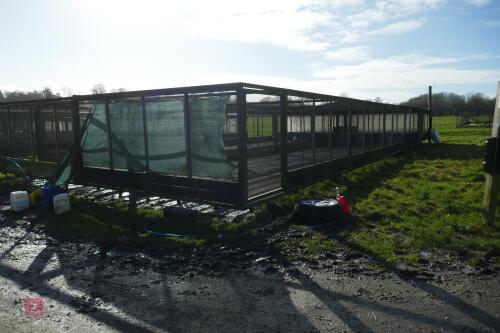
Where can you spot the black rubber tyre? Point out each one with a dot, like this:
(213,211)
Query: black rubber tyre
(318,210)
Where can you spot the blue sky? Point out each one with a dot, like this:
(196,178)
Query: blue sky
(366,49)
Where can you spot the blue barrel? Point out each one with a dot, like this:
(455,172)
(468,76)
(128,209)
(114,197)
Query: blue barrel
(49,191)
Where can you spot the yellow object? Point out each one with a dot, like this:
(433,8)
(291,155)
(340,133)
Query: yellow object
(35,198)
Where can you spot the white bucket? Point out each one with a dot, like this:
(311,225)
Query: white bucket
(19,200)
(61,203)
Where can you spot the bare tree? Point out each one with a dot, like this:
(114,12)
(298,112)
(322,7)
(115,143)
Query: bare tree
(378,100)
(98,89)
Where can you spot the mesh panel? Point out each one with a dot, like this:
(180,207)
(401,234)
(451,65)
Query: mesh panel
(322,128)
(208,120)
(166,139)
(127,138)
(300,148)
(95,139)
(263,144)
(339,137)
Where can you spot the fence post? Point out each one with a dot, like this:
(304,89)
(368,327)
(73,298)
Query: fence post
(187,135)
(56,128)
(108,132)
(9,128)
(284,139)
(313,131)
(384,112)
(429,108)
(492,180)
(349,124)
(30,128)
(242,145)
(76,126)
(330,129)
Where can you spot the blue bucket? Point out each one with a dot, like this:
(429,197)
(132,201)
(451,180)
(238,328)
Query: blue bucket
(49,191)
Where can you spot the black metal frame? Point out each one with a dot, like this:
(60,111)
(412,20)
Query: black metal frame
(223,191)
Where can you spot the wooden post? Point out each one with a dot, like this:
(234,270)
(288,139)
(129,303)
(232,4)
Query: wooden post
(492,181)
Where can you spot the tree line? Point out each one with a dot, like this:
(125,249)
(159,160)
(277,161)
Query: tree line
(17,95)
(446,103)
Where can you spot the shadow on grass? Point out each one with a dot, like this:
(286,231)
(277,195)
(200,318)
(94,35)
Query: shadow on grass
(450,151)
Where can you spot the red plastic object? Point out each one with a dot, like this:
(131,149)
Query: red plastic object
(343,202)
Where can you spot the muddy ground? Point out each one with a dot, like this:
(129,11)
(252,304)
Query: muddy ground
(94,287)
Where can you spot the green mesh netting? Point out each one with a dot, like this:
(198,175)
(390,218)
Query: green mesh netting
(165,135)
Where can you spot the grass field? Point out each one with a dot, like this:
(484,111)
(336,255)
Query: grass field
(427,199)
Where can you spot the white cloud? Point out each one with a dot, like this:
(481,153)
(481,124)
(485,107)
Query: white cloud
(398,27)
(397,77)
(350,54)
(477,2)
(305,24)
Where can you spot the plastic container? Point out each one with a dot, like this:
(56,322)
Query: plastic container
(61,203)
(19,200)
(49,191)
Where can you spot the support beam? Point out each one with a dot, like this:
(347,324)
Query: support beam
(313,132)
(30,128)
(56,127)
(108,132)
(242,146)
(284,140)
(429,109)
(187,135)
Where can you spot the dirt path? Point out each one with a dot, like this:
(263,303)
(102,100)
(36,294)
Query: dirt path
(85,290)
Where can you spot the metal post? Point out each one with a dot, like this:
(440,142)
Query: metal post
(384,112)
(330,129)
(420,123)
(9,127)
(274,121)
(492,180)
(77,132)
(349,124)
(242,145)
(404,125)
(373,127)
(392,126)
(30,128)
(284,140)
(364,129)
(187,135)
(429,108)
(108,132)
(145,130)
(313,131)
(56,124)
